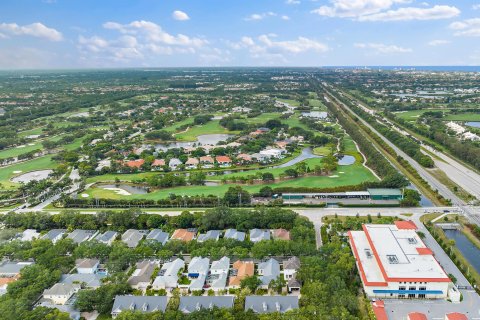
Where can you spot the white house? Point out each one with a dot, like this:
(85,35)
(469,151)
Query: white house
(87,266)
(168,276)
(60,293)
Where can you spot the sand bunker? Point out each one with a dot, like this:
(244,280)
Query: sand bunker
(119,191)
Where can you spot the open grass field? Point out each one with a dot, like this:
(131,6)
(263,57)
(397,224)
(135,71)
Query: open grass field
(321,151)
(294,121)
(317,104)
(351,175)
(6,173)
(264,117)
(291,102)
(174,127)
(30,132)
(212,127)
(13,152)
(463,117)
(412,115)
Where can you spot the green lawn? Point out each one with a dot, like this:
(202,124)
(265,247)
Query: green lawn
(264,117)
(294,121)
(463,117)
(42,163)
(317,104)
(174,127)
(212,127)
(30,132)
(351,175)
(322,151)
(13,152)
(291,102)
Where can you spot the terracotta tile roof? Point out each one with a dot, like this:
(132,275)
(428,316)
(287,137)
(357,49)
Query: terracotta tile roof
(135,163)
(416,316)
(281,234)
(222,159)
(455,316)
(406,225)
(183,234)
(158,163)
(244,269)
(379,310)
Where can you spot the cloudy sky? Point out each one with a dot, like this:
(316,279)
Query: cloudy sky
(171,33)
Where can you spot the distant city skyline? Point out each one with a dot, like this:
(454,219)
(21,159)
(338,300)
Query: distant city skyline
(43,34)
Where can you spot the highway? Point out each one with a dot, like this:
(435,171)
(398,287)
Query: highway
(470,212)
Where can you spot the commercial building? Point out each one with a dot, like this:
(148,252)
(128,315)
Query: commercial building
(394,262)
(371,195)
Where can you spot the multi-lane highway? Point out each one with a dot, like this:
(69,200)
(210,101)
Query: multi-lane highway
(472,213)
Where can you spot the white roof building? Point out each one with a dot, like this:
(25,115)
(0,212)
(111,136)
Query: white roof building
(394,262)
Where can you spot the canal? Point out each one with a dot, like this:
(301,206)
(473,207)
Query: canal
(466,247)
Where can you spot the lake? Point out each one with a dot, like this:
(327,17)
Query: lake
(475,124)
(307,153)
(466,247)
(346,160)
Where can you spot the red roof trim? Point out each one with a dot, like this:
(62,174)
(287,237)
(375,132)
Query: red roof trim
(406,225)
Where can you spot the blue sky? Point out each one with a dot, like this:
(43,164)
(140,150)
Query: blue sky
(172,33)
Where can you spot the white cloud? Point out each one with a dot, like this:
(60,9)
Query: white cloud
(292,1)
(380,48)
(476,6)
(285,17)
(410,13)
(153,32)
(469,27)
(381,10)
(435,43)
(36,29)
(264,46)
(180,15)
(260,16)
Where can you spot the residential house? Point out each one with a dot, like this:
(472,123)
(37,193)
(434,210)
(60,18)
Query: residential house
(54,235)
(240,271)
(174,164)
(107,238)
(257,235)
(132,237)
(267,304)
(223,161)
(234,234)
(262,158)
(244,158)
(168,276)
(197,272)
(87,266)
(189,304)
(139,303)
(86,280)
(158,164)
(10,272)
(183,235)
(79,235)
(217,278)
(455,316)
(273,153)
(60,293)
(29,235)
(210,235)
(206,162)
(141,277)
(192,163)
(136,164)
(281,234)
(268,271)
(158,235)
(290,268)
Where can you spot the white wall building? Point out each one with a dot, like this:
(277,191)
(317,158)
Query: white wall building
(393,262)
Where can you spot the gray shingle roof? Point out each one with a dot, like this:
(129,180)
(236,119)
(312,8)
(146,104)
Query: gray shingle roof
(79,235)
(62,289)
(139,303)
(86,263)
(143,272)
(257,235)
(266,304)
(54,233)
(158,235)
(9,268)
(91,280)
(234,234)
(292,263)
(191,304)
(210,235)
(271,271)
(106,237)
(132,237)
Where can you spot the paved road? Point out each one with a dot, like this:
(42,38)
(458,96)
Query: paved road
(457,172)
(434,183)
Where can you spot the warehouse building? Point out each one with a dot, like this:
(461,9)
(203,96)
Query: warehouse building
(393,262)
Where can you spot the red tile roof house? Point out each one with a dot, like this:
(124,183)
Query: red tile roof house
(207,162)
(281,234)
(244,158)
(158,164)
(192,163)
(223,161)
(135,163)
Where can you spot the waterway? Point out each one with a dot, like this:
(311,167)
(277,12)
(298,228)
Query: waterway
(307,153)
(466,247)
(475,124)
